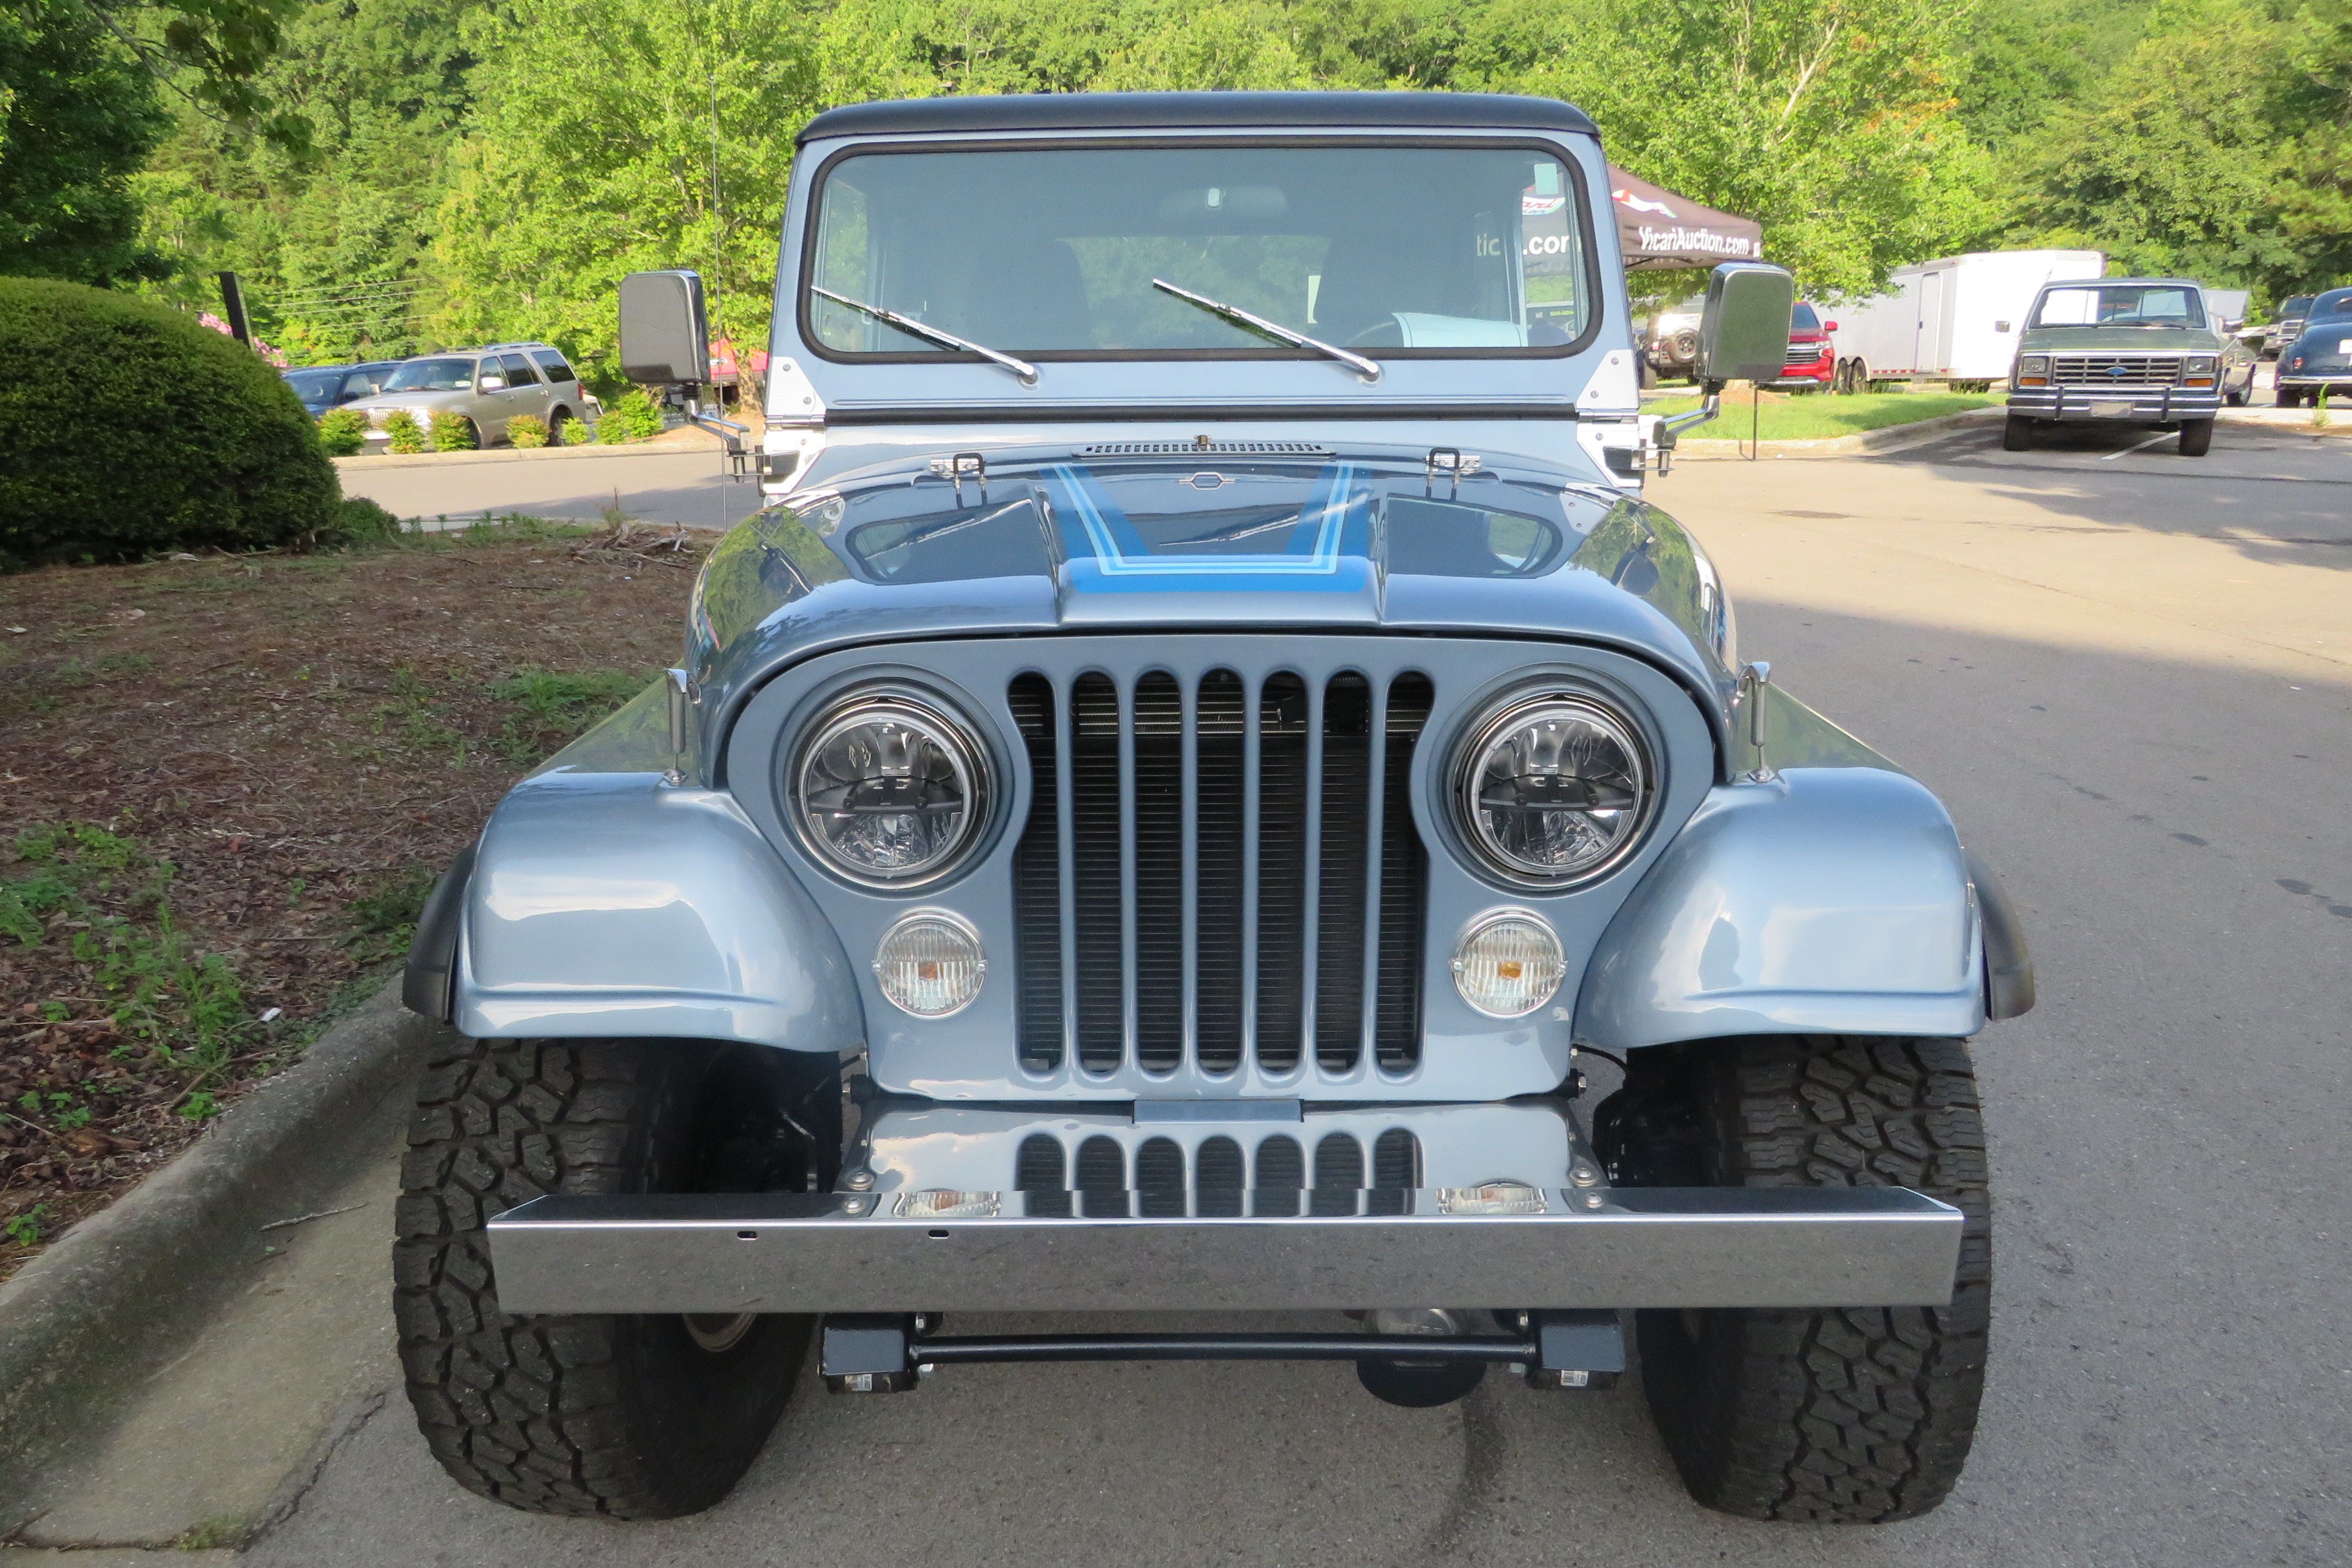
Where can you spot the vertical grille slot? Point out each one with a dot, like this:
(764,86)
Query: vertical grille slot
(1159,873)
(1347,790)
(1338,1174)
(1219,875)
(1281,1176)
(1038,885)
(1102,1179)
(1094,839)
(1038,1170)
(1404,880)
(1220,1178)
(1281,872)
(1218,724)
(1396,1171)
(1159,1179)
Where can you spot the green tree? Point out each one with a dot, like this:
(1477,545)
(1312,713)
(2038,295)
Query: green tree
(1829,122)
(77,117)
(2171,166)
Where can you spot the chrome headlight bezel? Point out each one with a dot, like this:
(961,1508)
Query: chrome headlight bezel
(945,726)
(1513,711)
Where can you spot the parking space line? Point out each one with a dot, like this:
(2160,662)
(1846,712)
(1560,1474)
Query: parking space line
(2143,447)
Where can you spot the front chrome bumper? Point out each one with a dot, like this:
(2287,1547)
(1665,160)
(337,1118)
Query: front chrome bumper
(846,1252)
(2129,405)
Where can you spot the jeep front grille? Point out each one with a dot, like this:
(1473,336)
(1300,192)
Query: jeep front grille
(1271,1177)
(1219,875)
(2115,370)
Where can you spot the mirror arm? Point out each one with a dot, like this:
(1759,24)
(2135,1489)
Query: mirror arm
(1705,411)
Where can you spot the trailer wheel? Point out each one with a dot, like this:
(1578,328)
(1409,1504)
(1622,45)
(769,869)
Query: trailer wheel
(2196,438)
(2017,434)
(624,1417)
(1832,1414)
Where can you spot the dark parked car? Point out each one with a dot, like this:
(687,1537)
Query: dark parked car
(2293,312)
(2318,361)
(330,386)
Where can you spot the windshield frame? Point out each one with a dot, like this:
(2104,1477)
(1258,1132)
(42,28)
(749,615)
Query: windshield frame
(1595,314)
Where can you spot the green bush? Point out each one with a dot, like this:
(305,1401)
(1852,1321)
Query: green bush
(128,428)
(454,433)
(342,432)
(527,430)
(405,435)
(633,417)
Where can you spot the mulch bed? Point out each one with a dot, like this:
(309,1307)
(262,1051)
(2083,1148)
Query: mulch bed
(229,782)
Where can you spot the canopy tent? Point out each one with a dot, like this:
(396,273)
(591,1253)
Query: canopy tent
(1655,230)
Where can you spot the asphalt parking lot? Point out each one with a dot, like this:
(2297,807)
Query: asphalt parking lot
(2130,675)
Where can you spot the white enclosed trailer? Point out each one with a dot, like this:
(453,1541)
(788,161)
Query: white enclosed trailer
(1954,319)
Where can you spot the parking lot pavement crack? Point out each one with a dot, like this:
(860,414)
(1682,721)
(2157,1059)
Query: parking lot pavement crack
(297,1485)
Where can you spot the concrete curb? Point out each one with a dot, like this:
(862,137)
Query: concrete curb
(112,1299)
(703,441)
(1884,438)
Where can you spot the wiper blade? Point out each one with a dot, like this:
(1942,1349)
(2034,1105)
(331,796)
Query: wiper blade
(1365,369)
(1021,368)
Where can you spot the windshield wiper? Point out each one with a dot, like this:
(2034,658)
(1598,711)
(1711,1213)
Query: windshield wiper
(1026,372)
(1365,369)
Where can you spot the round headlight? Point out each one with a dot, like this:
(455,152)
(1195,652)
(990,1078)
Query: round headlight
(888,789)
(1507,963)
(931,964)
(1553,789)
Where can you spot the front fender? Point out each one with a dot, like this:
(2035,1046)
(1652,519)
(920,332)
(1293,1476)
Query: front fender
(615,904)
(1827,900)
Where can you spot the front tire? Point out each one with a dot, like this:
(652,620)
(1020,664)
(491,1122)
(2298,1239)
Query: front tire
(2017,434)
(624,1417)
(2196,438)
(1857,1415)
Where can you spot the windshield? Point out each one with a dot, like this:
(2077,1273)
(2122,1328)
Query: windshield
(2125,305)
(1053,252)
(314,383)
(2296,304)
(433,375)
(1803,318)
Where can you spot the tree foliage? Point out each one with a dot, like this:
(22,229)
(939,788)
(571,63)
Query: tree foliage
(78,119)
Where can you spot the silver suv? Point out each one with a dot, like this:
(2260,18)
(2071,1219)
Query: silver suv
(487,387)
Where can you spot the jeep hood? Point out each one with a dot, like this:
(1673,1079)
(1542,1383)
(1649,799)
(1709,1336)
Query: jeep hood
(1110,538)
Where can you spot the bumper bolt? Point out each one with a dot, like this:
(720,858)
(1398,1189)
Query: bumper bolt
(858,1181)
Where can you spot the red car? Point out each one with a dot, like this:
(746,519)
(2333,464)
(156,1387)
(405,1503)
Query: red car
(1812,360)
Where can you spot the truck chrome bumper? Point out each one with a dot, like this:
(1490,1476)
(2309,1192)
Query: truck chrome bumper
(1567,1248)
(2127,404)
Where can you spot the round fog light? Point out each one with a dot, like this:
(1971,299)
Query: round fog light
(931,964)
(1508,963)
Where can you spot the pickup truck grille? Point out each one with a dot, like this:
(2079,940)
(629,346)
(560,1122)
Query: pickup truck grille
(1804,353)
(1278,1176)
(2115,370)
(1221,874)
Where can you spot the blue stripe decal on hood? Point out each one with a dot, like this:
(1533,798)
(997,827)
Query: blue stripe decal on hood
(1317,559)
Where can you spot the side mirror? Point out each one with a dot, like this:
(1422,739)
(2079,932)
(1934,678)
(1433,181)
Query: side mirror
(1829,326)
(2232,326)
(494,383)
(665,340)
(1743,333)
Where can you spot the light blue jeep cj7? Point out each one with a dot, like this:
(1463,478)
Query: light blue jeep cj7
(1206,747)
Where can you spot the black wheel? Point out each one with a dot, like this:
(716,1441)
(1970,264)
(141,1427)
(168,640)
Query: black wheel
(559,427)
(2289,397)
(2017,434)
(2196,438)
(626,1417)
(1835,1414)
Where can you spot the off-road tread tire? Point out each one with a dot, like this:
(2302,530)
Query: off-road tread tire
(576,1415)
(1843,1415)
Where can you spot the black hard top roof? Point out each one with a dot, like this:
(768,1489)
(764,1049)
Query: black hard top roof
(1175,110)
